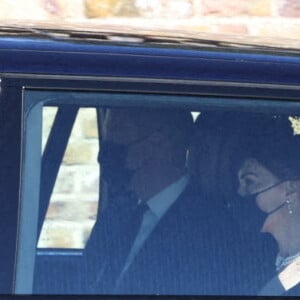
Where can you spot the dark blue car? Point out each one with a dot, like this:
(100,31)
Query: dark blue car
(200,135)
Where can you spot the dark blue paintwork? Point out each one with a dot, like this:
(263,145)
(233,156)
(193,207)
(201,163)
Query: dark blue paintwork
(45,56)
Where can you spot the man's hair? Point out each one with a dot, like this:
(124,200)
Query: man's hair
(179,122)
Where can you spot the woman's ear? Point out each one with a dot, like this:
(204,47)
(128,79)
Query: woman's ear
(292,186)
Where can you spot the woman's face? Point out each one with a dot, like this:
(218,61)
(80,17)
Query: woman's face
(269,191)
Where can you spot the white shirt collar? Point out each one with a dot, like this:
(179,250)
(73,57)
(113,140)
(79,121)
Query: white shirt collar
(161,202)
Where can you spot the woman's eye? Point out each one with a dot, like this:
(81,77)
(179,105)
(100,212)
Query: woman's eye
(248,178)
(249,181)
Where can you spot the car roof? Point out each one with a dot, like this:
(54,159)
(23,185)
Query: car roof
(95,32)
(114,52)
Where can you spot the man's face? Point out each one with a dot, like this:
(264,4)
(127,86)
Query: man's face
(115,172)
(125,128)
(125,151)
(120,126)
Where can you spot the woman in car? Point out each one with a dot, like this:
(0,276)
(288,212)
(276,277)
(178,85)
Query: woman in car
(270,177)
(220,145)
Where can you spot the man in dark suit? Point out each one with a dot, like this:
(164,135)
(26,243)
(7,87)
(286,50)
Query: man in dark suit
(183,244)
(143,161)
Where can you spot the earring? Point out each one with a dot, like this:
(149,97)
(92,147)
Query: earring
(288,202)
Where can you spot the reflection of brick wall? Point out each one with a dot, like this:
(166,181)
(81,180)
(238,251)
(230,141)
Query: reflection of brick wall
(74,201)
(277,18)
(295,124)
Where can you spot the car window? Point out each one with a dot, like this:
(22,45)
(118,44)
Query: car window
(71,212)
(151,194)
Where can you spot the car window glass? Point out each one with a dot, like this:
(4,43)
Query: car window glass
(151,194)
(72,208)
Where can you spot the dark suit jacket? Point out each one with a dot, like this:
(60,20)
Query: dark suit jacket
(194,249)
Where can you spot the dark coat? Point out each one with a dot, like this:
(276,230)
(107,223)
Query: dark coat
(194,249)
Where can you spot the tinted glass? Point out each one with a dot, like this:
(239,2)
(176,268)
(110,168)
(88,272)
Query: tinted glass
(150,194)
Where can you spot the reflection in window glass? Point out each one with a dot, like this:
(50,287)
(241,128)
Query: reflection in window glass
(192,201)
(295,124)
(49,114)
(73,205)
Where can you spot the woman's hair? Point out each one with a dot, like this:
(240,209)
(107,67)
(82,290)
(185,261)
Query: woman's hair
(223,140)
(279,152)
(210,154)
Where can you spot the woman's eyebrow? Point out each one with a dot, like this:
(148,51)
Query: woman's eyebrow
(247,173)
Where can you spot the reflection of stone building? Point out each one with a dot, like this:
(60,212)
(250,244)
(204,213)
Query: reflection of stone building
(277,18)
(74,201)
(109,8)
